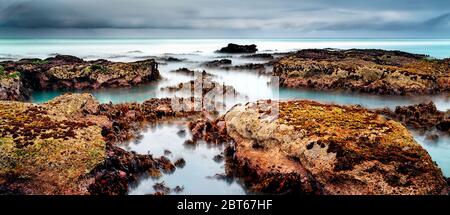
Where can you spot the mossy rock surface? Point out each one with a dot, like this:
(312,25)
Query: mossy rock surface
(18,78)
(360,70)
(309,147)
(49,148)
(12,86)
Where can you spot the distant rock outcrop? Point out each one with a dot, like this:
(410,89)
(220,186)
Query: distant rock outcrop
(217,63)
(424,117)
(69,72)
(369,71)
(232,48)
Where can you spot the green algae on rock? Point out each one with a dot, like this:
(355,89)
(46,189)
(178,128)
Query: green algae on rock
(369,71)
(327,149)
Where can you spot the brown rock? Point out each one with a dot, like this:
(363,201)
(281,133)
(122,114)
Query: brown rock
(368,71)
(327,149)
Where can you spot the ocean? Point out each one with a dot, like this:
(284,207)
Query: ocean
(253,86)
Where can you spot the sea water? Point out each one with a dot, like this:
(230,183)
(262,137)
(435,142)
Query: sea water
(197,176)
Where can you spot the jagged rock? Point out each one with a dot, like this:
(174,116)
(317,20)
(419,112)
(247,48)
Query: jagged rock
(424,116)
(211,131)
(368,71)
(178,189)
(12,86)
(69,72)
(249,66)
(180,163)
(161,188)
(218,158)
(126,119)
(173,59)
(310,147)
(66,146)
(119,168)
(189,72)
(235,49)
(48,148)
(185,71)
(259,56)
(217,63)
(444,125)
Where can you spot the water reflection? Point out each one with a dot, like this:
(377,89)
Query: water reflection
(254,86)
(200,175)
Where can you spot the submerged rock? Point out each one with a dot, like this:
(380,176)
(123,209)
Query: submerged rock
(178,189)
(310,147)
(173,59)
(260,68)
(205,93)
(189,72)
(235,49)
(369,71)
(259,56)
(161,188)
(180,163)
(217,63)
(218,158)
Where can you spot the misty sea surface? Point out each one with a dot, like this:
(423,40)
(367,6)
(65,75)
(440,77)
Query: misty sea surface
(199,176)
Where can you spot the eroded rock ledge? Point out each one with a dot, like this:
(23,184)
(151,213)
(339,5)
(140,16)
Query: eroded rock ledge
(422,117)
(369,71)
(326,149)
(68,145)
(18,78)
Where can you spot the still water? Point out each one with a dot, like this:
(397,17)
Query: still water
(197,176)
(201,174)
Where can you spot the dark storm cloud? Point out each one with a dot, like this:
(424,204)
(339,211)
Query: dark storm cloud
(301,16)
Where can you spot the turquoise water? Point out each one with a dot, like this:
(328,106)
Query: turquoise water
(200,167)
(121,49)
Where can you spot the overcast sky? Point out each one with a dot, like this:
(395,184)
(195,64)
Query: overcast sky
(224,18)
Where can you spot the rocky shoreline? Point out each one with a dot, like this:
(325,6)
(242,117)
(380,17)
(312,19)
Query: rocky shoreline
(314,148)
(365,71)
(19,78)
(423,117)
(69,145)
